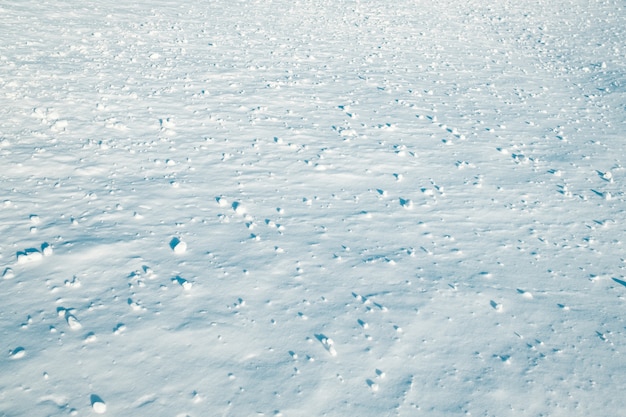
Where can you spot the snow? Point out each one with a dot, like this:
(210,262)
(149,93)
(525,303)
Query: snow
(312,208)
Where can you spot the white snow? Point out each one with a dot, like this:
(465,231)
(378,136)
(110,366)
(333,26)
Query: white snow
(312,208)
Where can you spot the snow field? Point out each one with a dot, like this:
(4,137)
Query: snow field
(312,208)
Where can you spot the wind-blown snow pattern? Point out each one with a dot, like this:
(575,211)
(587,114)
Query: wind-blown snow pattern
(312,208)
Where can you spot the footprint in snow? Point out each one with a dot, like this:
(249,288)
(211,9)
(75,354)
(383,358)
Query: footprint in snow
(182,282)
(119,328)
(178,246)
(221,201)
(70,318)
(373,385)
(8,273)
(28,256)
(238,208)
(496,306)
(17,353)
(406,203)
(98,404)
(46,249)
(504,358)
(148,272)
(328,344)
(606,176)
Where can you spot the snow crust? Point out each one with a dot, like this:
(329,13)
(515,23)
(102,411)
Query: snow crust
(312,208)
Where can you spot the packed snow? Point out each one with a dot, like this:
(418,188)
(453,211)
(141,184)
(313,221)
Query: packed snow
(312,208)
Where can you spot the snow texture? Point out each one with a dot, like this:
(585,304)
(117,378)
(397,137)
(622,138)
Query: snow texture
(312,208)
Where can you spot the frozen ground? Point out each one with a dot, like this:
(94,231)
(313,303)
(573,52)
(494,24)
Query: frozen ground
(312,208)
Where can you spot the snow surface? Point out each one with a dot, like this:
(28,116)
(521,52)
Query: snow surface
(312,208)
